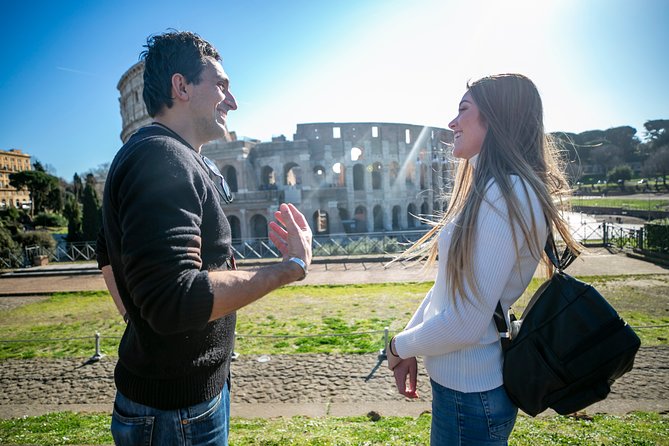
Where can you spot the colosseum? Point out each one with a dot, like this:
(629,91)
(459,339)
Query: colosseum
(347,177)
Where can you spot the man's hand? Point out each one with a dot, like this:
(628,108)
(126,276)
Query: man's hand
(291,233)
(407,368)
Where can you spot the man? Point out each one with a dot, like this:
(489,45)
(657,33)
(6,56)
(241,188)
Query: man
(165,254)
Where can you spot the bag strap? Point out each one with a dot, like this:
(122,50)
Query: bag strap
(560,262)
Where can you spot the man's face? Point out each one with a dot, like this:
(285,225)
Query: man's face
(210,102)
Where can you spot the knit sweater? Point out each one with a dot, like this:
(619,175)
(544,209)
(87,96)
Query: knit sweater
(164,229)
(457,334)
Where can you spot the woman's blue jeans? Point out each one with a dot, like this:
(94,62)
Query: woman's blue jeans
(478,418)
(202,424)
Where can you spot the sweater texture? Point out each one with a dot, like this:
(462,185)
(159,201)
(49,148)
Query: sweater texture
(164,229)
(456,334)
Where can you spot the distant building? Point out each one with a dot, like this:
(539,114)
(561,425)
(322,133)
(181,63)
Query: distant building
(352,177)
(12,161)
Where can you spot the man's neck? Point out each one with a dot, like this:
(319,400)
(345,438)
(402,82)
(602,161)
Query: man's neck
(181,128)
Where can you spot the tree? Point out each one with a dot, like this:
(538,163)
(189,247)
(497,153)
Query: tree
(72,211)
(658,164)
(620,174)
(625,138)
(92,218)
(39,185)
(77,187)
(658,132)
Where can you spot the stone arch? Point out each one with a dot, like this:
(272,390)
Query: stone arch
(321,222)
(424,209)
(393,171)
(377,176)
(319,175)
(258,226)
(267,177)
(378,218)
(360,217)
(235,228)
(397,210)
(358,177)
(411,211)
(230,174)
(292,174)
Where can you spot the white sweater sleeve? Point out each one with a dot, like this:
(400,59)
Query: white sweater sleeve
(417,317)
(494,258)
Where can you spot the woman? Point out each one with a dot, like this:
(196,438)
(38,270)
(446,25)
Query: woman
(489,242)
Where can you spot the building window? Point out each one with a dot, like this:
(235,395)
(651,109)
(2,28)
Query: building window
(336,132)
(375,131)
(407,136)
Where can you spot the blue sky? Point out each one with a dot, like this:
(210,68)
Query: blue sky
(597,63)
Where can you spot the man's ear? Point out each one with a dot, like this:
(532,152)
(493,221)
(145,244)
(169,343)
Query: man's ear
(179,84)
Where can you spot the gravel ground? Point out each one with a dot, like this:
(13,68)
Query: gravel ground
(294,384)
(290,379)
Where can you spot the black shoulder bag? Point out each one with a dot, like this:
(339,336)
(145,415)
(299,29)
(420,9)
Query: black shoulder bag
(568,347)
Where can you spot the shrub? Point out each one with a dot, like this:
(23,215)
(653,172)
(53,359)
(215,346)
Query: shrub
(49,220)
(35,238)
(657,236)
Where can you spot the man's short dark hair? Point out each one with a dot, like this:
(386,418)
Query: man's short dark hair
(169,53)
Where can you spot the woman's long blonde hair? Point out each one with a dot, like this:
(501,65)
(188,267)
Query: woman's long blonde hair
(515,144)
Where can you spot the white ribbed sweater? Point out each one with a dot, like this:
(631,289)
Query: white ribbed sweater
(459,340)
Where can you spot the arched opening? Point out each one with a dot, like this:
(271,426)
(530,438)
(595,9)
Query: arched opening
(230,174)
(360,218)
(235,228)
(409,174)
(411,212)
(424,209)
(267,178)
(423,176)
(340,174)
(319,175)
(396,218)
(358,177)
(321,223)
(258,226)
(378,218)
(356,154)
(393,171)
(292,174)
(376,176)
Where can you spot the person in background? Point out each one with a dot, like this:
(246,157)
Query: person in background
(489,244)
(165,252)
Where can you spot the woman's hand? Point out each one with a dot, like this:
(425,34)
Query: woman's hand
(406,368)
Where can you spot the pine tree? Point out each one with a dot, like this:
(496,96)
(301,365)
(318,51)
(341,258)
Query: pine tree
(92,215)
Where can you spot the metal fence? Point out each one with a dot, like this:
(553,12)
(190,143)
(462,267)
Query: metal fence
(588,232)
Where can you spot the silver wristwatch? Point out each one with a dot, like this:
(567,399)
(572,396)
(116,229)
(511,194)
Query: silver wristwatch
(302,265)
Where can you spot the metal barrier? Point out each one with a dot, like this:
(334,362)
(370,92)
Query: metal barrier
(587,231)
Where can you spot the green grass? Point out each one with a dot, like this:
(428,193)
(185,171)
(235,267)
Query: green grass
(295,314)
(633,429)
(641,204)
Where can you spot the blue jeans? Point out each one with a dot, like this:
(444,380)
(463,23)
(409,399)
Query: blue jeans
(206,423)
(478,418)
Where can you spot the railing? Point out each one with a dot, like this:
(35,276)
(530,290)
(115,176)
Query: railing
(371,243)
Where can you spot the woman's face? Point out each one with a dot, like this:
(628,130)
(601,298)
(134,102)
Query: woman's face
(468,129)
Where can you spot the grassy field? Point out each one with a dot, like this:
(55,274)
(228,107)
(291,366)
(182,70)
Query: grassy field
(65,324)
(633,429)
(641,204)
(307,310)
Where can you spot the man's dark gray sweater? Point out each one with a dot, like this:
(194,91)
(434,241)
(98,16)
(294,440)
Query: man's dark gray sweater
(163,231)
